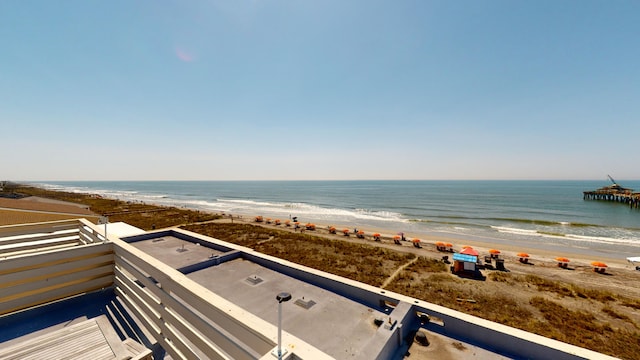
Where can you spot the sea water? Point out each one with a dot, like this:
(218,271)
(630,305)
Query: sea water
(536,214)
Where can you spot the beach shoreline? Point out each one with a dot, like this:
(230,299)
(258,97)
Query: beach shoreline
(541,260)
(542,251)
(539,254)
(534,215)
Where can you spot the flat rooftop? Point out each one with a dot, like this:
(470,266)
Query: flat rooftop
(185,295)
(339,326)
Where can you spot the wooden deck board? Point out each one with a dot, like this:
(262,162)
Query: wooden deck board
(90,339)
(83,340)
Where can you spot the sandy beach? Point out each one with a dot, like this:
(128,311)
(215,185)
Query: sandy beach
(542,254)
(620,274)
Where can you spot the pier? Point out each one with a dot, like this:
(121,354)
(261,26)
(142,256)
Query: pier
(614,193)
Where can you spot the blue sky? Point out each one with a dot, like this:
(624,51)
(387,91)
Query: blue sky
(278,90)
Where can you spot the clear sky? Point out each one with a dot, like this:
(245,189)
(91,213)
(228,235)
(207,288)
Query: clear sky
(278,90)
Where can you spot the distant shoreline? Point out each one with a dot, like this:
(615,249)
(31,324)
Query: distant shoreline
(545,215)
(544,250)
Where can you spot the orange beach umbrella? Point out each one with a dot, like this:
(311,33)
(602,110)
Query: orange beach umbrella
(522,255)
(598,264)
(440,243)
(466,246)
(494,251)
(360,232)
(448,244)
(397,237)
(376,235)
(416,240)
(346,231)
(562,259)
(469,251)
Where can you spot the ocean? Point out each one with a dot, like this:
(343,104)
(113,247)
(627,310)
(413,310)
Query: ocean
(535,214)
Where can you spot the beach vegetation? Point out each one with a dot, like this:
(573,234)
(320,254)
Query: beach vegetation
(552,286)
(615,314)
(139,214)
(500,276)
(583,329)
(361,262)
(425,264)
(632,303)
(566,289)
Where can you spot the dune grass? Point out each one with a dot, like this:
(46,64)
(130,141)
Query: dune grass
(497,300)
(361,262)
(144,216)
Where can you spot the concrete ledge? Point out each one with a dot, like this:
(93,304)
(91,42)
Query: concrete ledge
(213,261)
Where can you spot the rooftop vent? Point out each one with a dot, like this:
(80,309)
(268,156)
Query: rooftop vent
(305,304)
(254,279)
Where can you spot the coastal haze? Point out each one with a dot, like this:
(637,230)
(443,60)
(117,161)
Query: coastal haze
(550,215)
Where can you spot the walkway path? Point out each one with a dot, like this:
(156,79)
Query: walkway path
(398,271)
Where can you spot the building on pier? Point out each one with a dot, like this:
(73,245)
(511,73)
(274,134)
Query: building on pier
(616,193)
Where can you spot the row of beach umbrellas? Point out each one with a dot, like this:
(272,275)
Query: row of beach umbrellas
(563,262)
(466,249)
